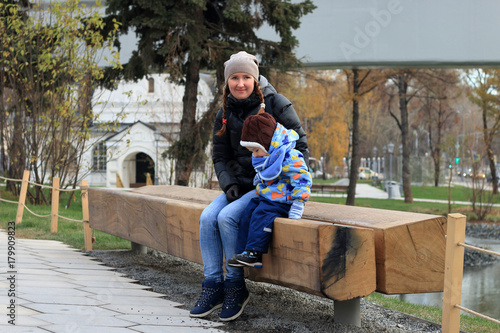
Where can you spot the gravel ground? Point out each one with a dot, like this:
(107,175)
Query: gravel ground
(271,308)
(483,231)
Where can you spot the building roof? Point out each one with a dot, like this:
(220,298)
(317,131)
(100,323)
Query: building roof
(150,100)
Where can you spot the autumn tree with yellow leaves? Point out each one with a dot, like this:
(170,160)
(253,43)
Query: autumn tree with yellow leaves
(316,96)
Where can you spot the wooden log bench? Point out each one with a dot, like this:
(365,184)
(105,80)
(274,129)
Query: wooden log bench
(335,251)
(328,188)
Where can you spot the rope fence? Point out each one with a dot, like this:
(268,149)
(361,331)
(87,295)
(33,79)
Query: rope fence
(11,179)
(453,274)
(9,201)
(39,185)
(35,214)
(470,247)
(54,215)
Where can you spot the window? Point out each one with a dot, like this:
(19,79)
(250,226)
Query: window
(151,85)
(99,156)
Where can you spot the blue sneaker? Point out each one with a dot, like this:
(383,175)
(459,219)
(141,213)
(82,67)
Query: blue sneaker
(236,297)
(249,258)
(234,263)
(211,299)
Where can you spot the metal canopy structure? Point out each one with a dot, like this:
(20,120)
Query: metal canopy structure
(389,33)
(399,33)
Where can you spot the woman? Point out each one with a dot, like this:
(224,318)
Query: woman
(245,94)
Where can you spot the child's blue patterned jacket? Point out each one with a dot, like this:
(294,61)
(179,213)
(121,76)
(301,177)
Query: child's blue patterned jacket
(283,175)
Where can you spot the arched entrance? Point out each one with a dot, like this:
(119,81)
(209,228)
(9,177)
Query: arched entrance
(143,165)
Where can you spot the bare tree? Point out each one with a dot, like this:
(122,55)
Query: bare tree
(360,82)
(400,90)
(437,98)
(484,93)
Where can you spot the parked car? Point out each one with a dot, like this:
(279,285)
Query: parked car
(480,174)
(366,173)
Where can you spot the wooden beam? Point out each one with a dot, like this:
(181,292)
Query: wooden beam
(22,196)
(87,231)
(55,205)
(316,257)
(320,258)
(409,247)
(454,273)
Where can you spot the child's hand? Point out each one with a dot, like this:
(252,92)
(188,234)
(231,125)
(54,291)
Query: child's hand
(296,210)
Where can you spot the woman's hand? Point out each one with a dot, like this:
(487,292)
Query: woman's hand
(233,193)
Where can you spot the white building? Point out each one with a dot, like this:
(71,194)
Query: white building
(135,124)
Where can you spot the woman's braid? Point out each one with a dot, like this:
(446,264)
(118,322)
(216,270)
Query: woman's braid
(224,100)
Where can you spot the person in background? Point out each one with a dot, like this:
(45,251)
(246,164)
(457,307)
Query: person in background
(245,93)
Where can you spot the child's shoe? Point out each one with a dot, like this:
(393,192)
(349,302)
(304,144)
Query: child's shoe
(236,297)
(249,258)
(234,263)
(211,299)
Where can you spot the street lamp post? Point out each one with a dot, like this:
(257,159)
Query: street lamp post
(390,150)
(401,169)
(382,163)
(157,140)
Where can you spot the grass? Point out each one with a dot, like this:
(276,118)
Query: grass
(468,323)
(68,232)
(391,204)
(458,194)
(71,233)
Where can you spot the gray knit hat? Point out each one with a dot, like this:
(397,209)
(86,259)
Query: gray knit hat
(241,62)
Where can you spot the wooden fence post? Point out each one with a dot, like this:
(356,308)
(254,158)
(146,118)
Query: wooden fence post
(453,273)
(55,205)
(87,231)
(22,196)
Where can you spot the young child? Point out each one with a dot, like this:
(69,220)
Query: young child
(283,184)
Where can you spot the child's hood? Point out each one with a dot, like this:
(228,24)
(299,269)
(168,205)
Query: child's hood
(282,136)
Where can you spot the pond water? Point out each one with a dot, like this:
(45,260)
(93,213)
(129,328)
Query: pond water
(480,286)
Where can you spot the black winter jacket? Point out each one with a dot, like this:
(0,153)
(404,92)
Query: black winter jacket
(232,162)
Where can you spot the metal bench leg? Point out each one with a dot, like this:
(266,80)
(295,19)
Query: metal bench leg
(138,248)
(347,312)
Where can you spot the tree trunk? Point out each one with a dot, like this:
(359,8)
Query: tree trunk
(489,152)
(437,162)
(183,165)
(494,176)
(403,108)
(17,150)
(353,173)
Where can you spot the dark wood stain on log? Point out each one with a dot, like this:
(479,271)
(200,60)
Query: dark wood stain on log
(334,264)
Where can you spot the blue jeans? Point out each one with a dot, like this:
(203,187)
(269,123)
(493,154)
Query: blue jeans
(219,223)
